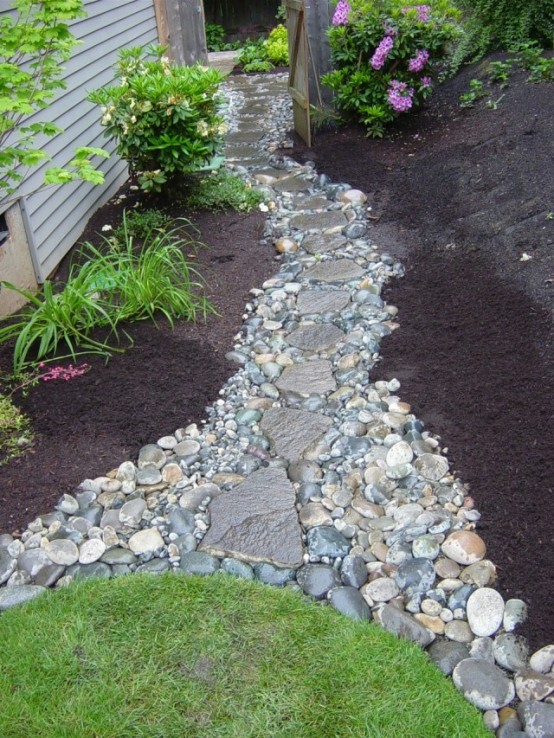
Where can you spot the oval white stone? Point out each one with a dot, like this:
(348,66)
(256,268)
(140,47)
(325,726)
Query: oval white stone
(485,610)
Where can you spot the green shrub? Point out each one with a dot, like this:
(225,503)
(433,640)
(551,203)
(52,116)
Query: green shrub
(15,431)
(163,117)
(223,191)
(277,46)
(502,24)
(215,36)
(253,57)
(385,57)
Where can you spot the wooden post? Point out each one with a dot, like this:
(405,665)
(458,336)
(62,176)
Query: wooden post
(181,26)
(318,19)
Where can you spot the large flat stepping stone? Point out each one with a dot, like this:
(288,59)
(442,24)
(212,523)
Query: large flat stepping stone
(244,136)
(339,270)
(318,243)
(244,153)
(292,432)
(293,184)
(257,521)
(321,221)
(315,337)
(322,301)
(305,379)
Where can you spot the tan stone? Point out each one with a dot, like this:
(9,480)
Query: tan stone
(482,574)
(464,547)
(286,245)
(434,624)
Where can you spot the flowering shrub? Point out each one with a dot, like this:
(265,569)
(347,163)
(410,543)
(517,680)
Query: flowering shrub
(163,117)
(385,56)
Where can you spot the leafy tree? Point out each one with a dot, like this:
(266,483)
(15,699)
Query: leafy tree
(35,40)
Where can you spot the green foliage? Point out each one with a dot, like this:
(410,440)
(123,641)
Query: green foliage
(476,92)
(223,191)
(215,36)
(499,72)
(502,24)
(34,44)
(15,431)
(138,224)
(145,656)
(530,56)
(163,117)
(385,57)
(253,57)
(277,46)
(103,289)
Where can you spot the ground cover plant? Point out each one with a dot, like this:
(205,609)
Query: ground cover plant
(145,656)
(221,191)
(263,54)
(164,117)
(385,57)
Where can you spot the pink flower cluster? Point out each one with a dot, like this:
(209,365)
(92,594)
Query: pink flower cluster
(340,16)
(381,52)
(400,96)
(426,82)
(390,30)
(63,372)
(420,60)
(423,12)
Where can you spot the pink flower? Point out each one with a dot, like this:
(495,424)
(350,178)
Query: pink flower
(400,96)
(420,60)
(426,82)
(340,16)
(423,12)
(381,52)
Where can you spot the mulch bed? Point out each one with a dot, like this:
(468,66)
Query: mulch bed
(458,196)
(89,425)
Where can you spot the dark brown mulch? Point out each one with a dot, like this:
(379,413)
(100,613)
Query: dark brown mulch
(89,425)
(459,196)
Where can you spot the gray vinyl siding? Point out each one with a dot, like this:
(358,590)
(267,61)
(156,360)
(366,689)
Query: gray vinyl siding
(57,216)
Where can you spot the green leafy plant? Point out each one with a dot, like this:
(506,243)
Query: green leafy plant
(277,46)
(105,288)
(530,56)
(35,41)
(500,72)
(164,117)
(140,223)
(16,432)
(386,56)
(476,92)
(253,57)
(215,36)
(222,191)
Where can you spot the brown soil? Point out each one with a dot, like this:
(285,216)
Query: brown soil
(89,425)
(459,196)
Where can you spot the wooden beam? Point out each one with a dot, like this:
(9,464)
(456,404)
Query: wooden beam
(161,22)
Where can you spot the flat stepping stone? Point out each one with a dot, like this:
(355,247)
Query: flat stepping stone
(312,202)
(268,175)
(315,337)
(292,432)
(293,184)
(244,153)
(257,521)
(244,136)
(322,301)
(313,377)
(340,270)
(319,243)
(320,221)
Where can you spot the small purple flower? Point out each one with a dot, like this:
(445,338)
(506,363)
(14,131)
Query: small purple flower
(340,16)
(381,52)
(426,82)
(420,60)
(390,30)
(400,96)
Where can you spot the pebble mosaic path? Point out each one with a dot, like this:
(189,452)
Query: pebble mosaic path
(305,474)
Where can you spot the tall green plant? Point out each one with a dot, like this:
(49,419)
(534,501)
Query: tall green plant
(164,117)
(35,41)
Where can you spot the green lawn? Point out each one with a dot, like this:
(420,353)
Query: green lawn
(180,657)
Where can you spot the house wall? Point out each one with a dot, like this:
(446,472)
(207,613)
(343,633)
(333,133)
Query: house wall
(55,217)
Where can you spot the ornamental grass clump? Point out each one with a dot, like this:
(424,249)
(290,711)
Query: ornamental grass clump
(385,57)
(163,117)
